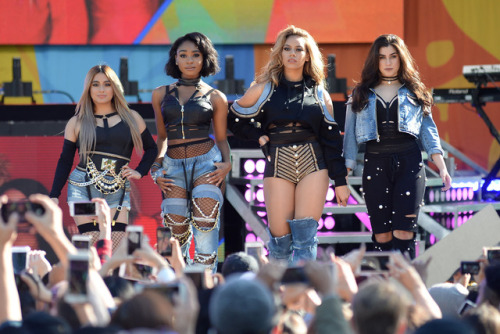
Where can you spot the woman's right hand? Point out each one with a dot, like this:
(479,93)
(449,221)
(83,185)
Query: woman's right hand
(164,183)
(264,146)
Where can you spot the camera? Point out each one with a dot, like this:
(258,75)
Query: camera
(134,238)
(83,208)
(78,273)
(375,262)
(21,207)
(293,275)
(163,245)
(469,267)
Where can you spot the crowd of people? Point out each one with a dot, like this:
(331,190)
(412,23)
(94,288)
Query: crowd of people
(249,295)
(121,284)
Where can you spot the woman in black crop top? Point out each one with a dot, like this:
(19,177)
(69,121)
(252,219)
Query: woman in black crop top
(190,168)
(105,131)
(291,115)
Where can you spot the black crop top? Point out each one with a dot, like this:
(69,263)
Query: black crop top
(115,140)
(391,139)
(188,121)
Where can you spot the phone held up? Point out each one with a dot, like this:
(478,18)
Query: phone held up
(134,238)
(78,273)
(469,267)
(254,249)
(20,258)
(163,245)
(84,208)
(81,241)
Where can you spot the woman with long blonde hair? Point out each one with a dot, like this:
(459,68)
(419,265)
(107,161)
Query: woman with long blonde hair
(105,131)
(289,112)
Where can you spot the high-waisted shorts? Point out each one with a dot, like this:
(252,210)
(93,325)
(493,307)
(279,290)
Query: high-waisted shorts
(76,193)
(294,161)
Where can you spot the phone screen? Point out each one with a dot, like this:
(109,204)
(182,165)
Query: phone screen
(375,262)
(84,208)
(469,267)
(81,244)
(133,241)
(163,245)
(78,275)
(493,255)
(19,261)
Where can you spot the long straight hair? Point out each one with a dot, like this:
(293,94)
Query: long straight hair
(407,74)
(85,111)
(315,67)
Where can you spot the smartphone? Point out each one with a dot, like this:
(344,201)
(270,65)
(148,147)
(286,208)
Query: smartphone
(198,276)
(20,258)
(163,245)
(293,275)
(78,273)
(85,208)
(21,207)
(469,267)
(467,305)
(375,262)
(81,241)
(134,238)
(254,249)
(493,254)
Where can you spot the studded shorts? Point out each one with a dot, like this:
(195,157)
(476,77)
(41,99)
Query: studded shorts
(293,162)
(393,188)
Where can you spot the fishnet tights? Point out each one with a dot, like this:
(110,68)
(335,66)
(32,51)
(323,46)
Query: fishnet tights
(190,150)
(116,238)
(94,236)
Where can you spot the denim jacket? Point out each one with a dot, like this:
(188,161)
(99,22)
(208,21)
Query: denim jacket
(361,127)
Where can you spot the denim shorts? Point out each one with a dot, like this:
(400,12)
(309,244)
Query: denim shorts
(76,193)
(202,164)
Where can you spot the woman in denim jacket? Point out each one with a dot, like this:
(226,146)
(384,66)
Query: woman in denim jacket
(390,110)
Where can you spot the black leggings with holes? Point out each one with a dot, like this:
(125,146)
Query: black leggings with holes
(393,187)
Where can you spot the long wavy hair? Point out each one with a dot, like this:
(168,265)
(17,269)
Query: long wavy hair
(315,67)
(85,111)
(204,45)
(407,74)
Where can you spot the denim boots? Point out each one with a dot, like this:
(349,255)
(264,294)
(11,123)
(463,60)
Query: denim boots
(302,242)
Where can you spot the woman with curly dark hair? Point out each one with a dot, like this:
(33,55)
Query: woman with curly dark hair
(390,111)
(191,171)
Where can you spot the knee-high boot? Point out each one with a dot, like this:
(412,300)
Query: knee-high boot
(405,246)
(304,240)
(382,246)
(280,248)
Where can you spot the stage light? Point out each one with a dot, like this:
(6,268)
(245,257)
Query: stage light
(329,223)
(249,166)
(260,166)
(330,194)
(259,194)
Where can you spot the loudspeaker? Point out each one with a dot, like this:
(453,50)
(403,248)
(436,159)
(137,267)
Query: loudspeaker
(465,243)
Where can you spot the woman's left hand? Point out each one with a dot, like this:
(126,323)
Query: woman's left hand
(342,194)
(446,179)
(218,175)
(130,173)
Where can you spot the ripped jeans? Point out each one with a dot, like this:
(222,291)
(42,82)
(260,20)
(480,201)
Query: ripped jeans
(192,208)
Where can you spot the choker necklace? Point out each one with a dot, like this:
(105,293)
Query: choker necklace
(389,79)
(106,115)
(189,82)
